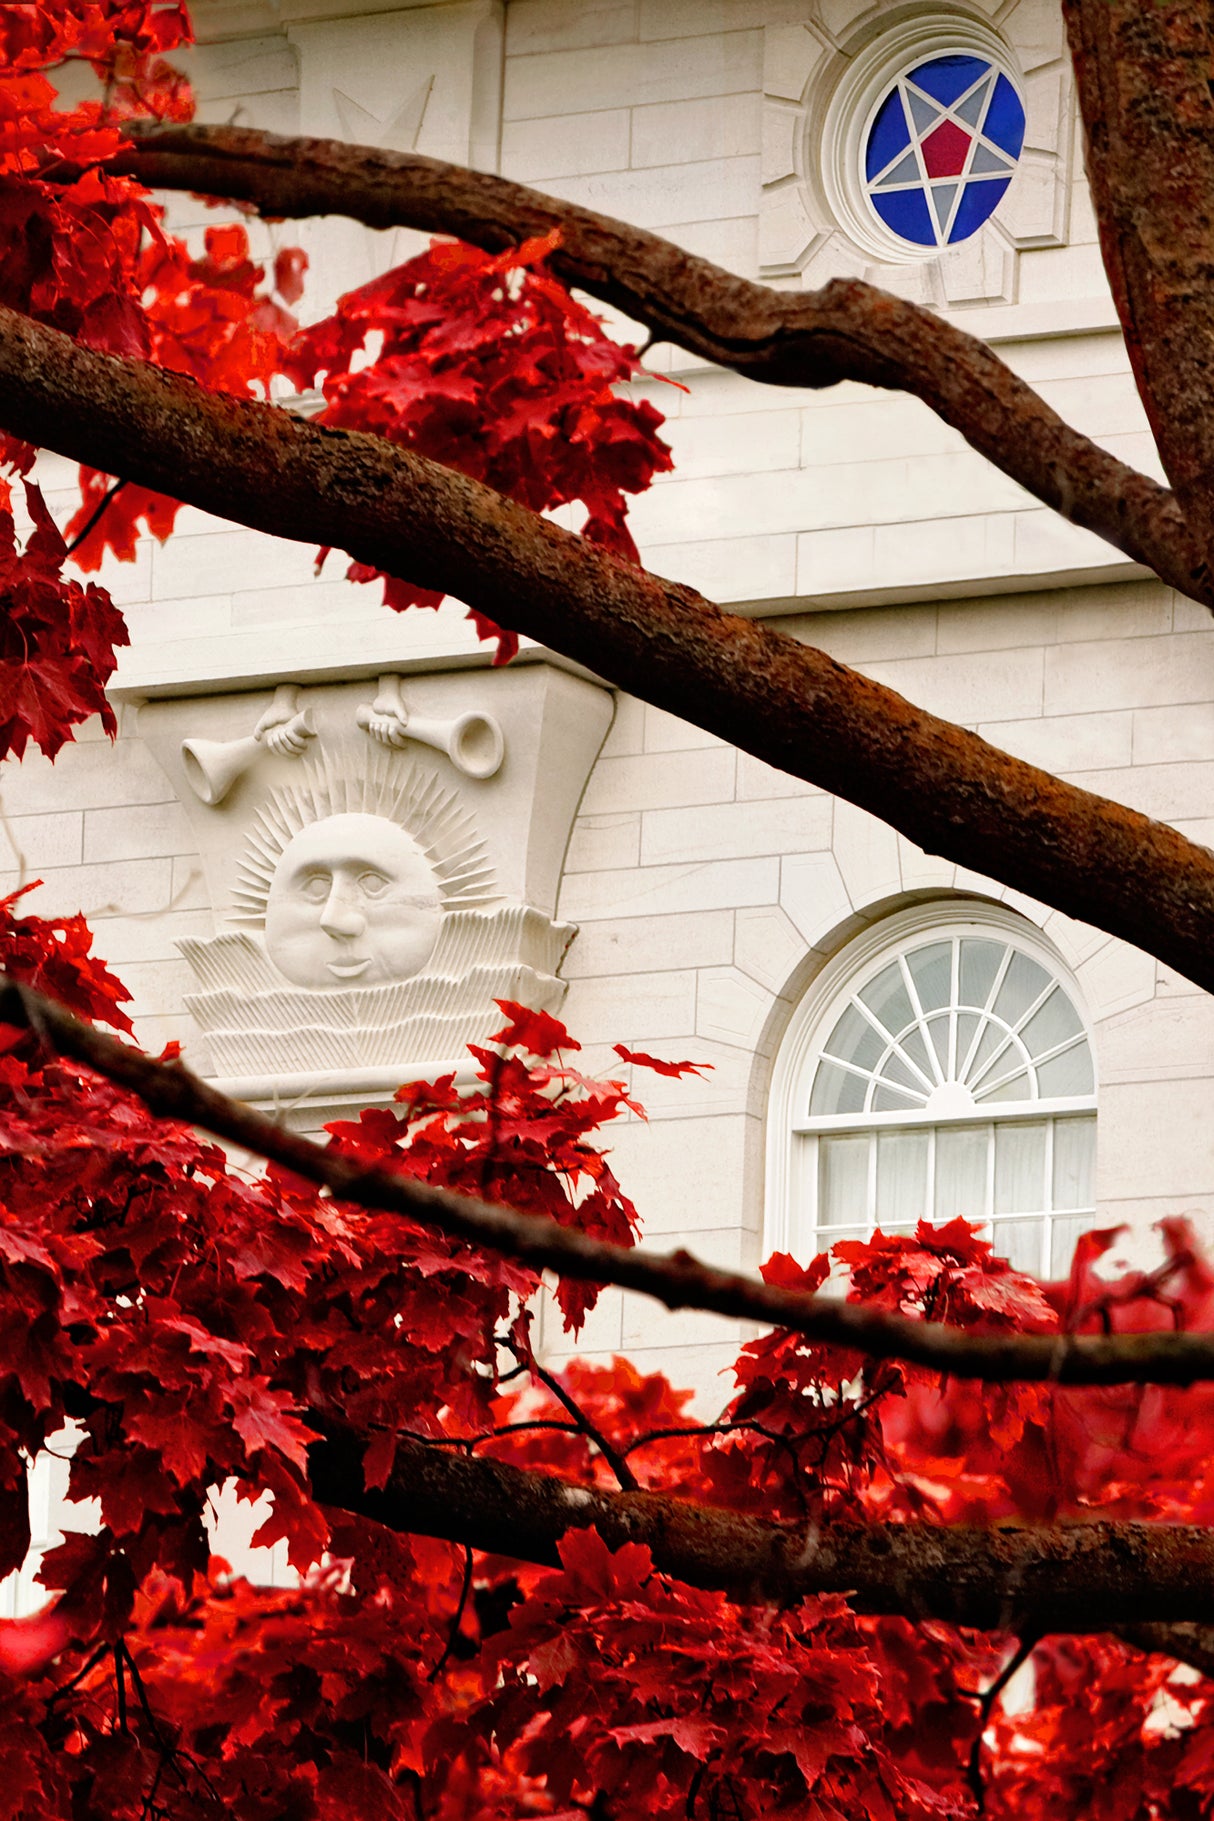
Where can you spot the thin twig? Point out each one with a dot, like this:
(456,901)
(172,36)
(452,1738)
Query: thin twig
(95,517)
(614,1459)
(457,1618)
(986,1701)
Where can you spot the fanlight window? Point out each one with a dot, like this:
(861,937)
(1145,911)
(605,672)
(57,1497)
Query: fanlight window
(952,1076)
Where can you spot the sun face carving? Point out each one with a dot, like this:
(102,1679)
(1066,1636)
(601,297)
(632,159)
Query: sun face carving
(353,898)
(349,876)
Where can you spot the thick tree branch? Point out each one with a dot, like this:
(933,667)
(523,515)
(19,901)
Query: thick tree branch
(1069,1578)
(674,1278)
(758,689)
(1144,72)
(846,330)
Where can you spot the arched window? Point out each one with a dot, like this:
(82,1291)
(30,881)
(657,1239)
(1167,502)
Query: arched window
(938,1067)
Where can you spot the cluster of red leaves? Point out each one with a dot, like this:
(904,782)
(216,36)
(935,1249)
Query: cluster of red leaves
(488,365)
(614,1678)
(191,1323)
(86,253)
(485,364)
(57,638)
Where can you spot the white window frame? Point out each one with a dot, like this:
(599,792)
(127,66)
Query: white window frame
(790,1220)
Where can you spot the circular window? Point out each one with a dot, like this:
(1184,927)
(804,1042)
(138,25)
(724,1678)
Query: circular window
(941,148)
(921,136)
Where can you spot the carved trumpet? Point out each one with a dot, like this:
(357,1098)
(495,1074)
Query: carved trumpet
(473,742)
(213,766)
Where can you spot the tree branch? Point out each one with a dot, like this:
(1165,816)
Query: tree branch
(674,1278)
(790,705)
(1144,74)
(1069,1578)
(846,330)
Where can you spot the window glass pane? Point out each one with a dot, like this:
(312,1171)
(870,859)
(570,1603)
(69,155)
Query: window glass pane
(888,999)
(898,1075)
(901,1176)
(961,1156)
(1024,981)
(896,1100)
(1064,1231)
(1074,1162)
(843,1180)
(1020,1169)
(937,1030)
(931,970)
(916,1049)
(979,965)
(967,1030)
(854,1040)
(1070,1073)
(1021,1243)
(994,1039)
(1018,1087)
(835,1091)
(1053,1024)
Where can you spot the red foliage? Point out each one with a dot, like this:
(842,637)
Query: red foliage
(489,366)
(196,1325)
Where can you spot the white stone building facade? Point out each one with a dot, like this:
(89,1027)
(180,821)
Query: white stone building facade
(724,912)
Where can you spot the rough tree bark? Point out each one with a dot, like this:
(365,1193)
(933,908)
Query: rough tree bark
(676,1279)
(785,702)
(1145,70)
(1067,1578)
(846,330)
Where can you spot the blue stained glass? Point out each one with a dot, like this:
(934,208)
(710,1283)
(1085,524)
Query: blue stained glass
(1004,123)
(980,200)
(905,211)
(948,77)
(888,136)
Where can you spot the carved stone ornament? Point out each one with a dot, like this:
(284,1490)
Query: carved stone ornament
(823,78)
(380,870)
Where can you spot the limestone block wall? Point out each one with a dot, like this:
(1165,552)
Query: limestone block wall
(707,888)
(710,889)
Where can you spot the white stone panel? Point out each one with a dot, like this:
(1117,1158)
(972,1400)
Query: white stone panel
(116,834)
(1067,743)
(127,888)
(672,194)
(645,945)
(685,1175)
(29,843)
(680,132)
(565,145)
(607,840)
(637,1010)
(867,855)
(661,890)
(1173,734)
(631,75)
(725,830)
(1115,978)
(814,895)
(660,779)
(1177,1159)
(667,733)
(553,25)
(731,1007)
(767,944)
